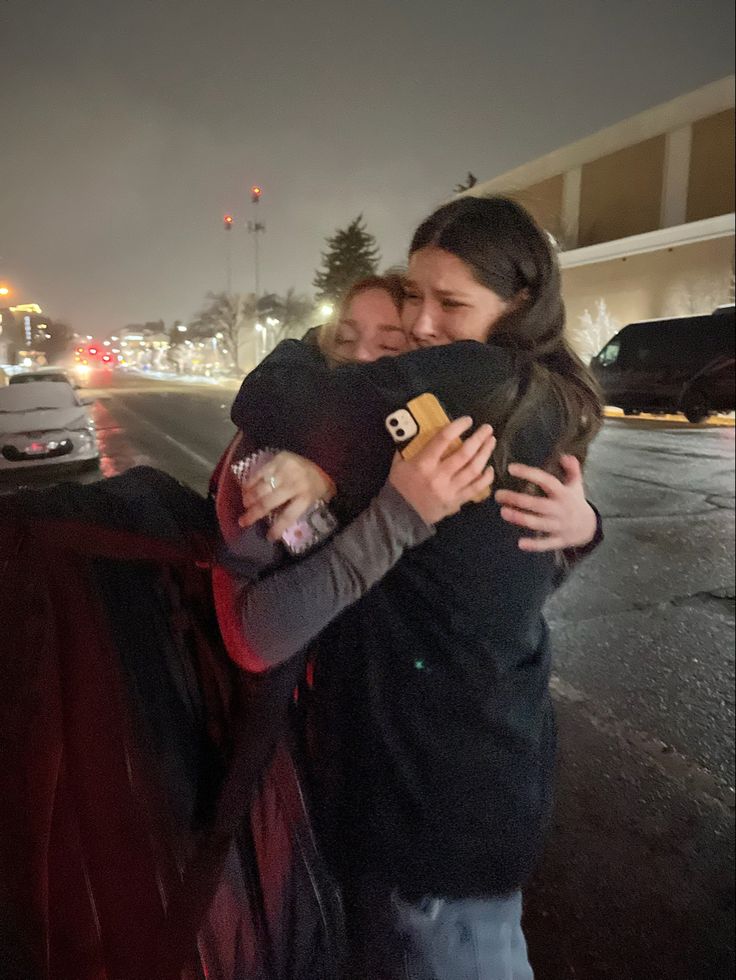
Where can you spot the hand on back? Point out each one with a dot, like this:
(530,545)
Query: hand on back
(562,516)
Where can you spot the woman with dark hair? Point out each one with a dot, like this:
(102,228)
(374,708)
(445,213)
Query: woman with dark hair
(433,723)
(461,279)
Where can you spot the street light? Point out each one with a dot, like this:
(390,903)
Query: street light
(256,228)
(4,291)
(327,309)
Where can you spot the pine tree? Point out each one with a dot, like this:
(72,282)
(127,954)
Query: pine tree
(352,254)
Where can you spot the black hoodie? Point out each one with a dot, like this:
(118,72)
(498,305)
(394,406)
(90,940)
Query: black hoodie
(434,720)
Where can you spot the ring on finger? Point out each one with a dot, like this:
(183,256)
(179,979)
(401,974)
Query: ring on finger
(272,482)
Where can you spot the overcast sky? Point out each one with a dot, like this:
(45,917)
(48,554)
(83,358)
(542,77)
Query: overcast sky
(129,127)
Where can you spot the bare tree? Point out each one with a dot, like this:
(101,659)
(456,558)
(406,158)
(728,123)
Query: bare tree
(699,295)
(232,314)
(293,310)
(592,333)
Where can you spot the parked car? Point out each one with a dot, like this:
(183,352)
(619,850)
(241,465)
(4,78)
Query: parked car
(41,374)
(44,423)
(685,364)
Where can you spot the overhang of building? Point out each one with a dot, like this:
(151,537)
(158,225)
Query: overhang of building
(682,111)
(722,226)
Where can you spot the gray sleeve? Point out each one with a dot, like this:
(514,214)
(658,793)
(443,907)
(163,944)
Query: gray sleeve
(283,612)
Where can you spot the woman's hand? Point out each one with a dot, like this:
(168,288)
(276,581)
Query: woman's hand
(289,484)
(563,515)
(438,481)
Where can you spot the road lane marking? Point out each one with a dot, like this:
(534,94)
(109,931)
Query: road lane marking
(206,464)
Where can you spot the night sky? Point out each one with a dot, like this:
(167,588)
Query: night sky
(129,127)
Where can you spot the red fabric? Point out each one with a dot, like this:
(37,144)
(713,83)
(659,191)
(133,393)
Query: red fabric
(217,472)
(84,865)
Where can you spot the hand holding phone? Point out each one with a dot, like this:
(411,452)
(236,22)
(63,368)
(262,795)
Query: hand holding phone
(438,482)
(304,533)
(413,427)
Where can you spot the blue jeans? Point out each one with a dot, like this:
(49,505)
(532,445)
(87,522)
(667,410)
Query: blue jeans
(441,939)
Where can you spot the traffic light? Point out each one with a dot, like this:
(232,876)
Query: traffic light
(228,221)
(255,194)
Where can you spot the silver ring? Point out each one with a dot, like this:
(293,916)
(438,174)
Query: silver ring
(273,482)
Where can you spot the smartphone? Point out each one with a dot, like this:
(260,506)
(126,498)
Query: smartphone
(313,527)
(411,428)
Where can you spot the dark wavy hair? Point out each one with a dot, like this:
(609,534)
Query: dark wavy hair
(509,253)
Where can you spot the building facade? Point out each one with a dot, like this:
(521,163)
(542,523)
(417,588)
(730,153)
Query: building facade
(643,213)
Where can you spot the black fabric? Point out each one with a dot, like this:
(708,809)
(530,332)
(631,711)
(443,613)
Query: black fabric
(434,724)
(132,753)
(335,417)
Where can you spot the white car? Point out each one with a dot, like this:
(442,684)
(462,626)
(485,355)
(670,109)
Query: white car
(41,374)
(44,423)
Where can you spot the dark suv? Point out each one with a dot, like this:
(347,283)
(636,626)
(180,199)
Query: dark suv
(685,364)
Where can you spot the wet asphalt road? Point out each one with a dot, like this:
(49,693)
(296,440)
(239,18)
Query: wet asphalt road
(637,883)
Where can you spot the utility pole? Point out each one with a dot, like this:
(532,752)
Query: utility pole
(256,228)
(228,225)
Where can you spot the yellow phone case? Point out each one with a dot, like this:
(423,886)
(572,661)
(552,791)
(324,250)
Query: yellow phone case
(430,417)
